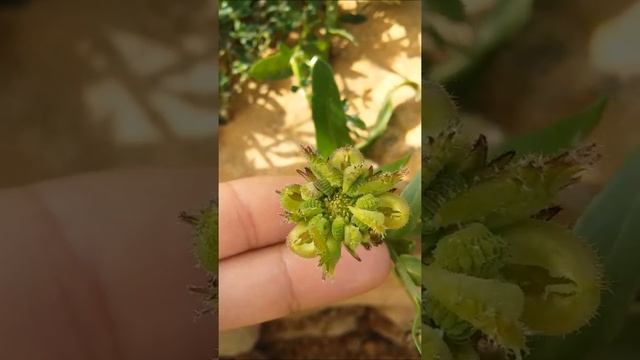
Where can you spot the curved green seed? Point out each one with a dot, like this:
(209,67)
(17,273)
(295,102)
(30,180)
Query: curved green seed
(559,274)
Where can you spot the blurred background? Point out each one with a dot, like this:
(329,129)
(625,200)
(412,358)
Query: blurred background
(97,86)
(93,85)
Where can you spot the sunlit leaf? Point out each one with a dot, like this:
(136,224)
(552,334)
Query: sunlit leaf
(329,117)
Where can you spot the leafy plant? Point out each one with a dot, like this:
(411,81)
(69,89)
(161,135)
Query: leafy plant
(495,268)
(349,202)
(274,39)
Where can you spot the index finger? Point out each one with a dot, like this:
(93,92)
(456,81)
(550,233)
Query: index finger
(250,214)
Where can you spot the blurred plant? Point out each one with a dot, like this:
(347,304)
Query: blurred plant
(206,250)
(495,269)
(275,39)
(458,39)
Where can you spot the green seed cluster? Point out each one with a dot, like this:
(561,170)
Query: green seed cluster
(345,202)
(494,267)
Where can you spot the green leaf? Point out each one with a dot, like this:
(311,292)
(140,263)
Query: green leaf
(611,225)
(564,134)
(342,33)
(273,67)
(384,116)
(413,266)
(452,9)
(329,117)
(396,165)
(413,194)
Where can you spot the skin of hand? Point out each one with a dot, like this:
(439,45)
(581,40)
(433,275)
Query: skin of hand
(260,278)
(97,267)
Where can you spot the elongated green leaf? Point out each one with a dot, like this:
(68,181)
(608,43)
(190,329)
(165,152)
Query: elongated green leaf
(562,135)
(342,33)
(611,224)
(329,117)
(384,116)
(413,194)
(273,67)
(396,165)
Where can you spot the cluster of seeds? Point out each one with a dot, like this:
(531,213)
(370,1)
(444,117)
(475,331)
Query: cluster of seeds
(345,201)
(494,268)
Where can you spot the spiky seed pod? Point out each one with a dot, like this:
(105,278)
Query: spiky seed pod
(207,238)
(491,306)
(558,272)
(488,262)
(473,250)
(456,329)
(345,202)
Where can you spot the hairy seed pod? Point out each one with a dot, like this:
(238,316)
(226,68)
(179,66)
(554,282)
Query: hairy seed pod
(345,156)
(290,198)
(442,189)
(473,250)
(352,237)
(323,170)
(207,238)
(517,193)
(310,208)
(367,202)
(324,186)
(559,274)
(491,306)
(300,242)
(309,191)
(352,173)
(337,228)
(395,209)
(373,219)
(376,184)
(330,256)
(319,231)
(453,326)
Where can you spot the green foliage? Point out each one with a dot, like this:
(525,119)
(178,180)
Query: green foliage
(564,134)
(329,117)
(384,116)
(258,41)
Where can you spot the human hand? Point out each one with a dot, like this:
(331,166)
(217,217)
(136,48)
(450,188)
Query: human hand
(97,267)
(260,279)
